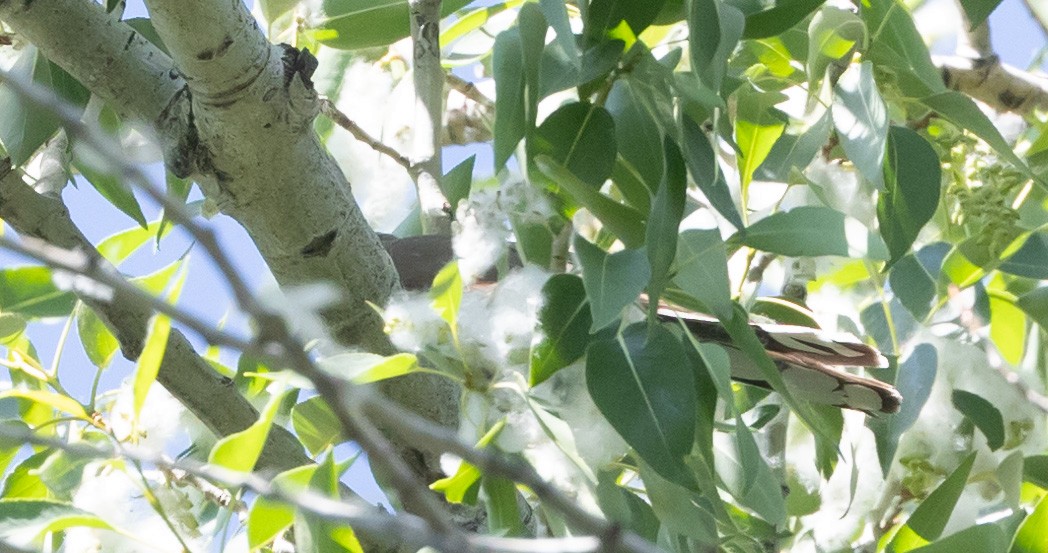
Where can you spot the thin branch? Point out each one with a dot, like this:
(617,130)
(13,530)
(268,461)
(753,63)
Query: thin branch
(469,90)
(328,108)
(107,149)
(365,519)
(80,264)
(415,428)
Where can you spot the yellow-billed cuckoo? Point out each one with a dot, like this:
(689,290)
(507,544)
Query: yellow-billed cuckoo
(807,357)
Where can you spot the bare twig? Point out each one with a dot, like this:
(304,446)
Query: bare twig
(328,108)
(1039,11)
(469,90)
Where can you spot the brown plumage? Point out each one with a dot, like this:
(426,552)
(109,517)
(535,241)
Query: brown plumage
(808,358)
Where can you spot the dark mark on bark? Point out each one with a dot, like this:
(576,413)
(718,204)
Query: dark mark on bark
(321,245)
(208,55)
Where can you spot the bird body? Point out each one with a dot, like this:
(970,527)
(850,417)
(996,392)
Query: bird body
(808,358)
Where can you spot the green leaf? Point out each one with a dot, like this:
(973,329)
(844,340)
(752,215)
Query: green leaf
(446,294)
(638,138)
(702,270)
(983,414)
(353,24)
(622,220)
(680,509)
(149,361)
(833,34)
(511,112)
(12,325)
(581,137)
(1032,536)
(861,119)
(240,451)
(715,30)
(99,343)
(641,382)
(912,179)
(897,45)
(365,368)
(177,189)
(664,221)
(272,9)
(605,15)
(516,67)
(25,126)
(30,291)
(612,281)
(929,519)
(1031,259)
(985,538)
(702,162)
(320,535)
(59,402)
(109,184)
(504,517)
(978,10)
(1035,470)
(913,379)
(556,13)
(464,485)
(791,151)
(758,124)
(774,21)
(564,322)
(23,522)
(962,111)
(747,476)
(811,231)
(1007,321)
(625,508)
(913,285)
(316,425)
(118,247)
(269,518)
(456,183)
(1035,304)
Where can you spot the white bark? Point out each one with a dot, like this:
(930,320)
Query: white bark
(236,117)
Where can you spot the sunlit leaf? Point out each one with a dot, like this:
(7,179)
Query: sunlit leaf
(316,425)
(240,451)
(23,522)
(861,119)
(353,24)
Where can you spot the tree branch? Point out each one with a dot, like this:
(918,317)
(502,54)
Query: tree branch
(185,374)
(239,124)
(428,77)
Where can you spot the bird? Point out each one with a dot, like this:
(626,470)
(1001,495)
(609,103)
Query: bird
(809,359)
